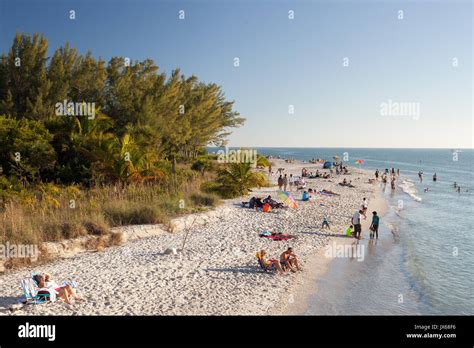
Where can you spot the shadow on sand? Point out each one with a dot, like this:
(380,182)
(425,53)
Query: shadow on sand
(238,269)
(328,234)
(7,301)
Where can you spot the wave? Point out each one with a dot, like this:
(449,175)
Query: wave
(409,188)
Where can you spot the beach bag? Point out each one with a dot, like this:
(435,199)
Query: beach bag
(266,208)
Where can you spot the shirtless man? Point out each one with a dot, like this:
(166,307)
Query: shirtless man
(289,260)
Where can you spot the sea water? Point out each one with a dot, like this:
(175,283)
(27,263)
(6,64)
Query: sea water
(423,262)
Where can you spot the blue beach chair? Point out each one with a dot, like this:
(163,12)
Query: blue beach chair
(36,295)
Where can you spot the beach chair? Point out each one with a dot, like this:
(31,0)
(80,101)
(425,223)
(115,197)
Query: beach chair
(262,266)
(36,295)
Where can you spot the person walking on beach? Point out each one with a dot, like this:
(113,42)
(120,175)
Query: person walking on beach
(292,182)
(365,206)
(325,224)
(374,226)
(356,223)
(280,182)
(377,174)
(285,182)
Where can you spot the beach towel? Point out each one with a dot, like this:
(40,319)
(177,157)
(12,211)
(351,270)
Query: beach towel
(278,236)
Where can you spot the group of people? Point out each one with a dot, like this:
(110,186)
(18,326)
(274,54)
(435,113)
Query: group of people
(346,183)
(356,228)
(293,182)
(342,170)
(385,174)
(457,188)
(288,261)
(257,202)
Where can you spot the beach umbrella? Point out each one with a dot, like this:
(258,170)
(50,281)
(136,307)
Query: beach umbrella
(287,199)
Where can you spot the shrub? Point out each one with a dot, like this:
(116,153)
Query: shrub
(128,213)
(207,200)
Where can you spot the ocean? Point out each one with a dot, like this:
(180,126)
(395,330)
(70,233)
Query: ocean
(423,262)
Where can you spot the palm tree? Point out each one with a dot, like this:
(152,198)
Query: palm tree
(238,178)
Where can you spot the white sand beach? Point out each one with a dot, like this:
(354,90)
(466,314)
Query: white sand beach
(217,273)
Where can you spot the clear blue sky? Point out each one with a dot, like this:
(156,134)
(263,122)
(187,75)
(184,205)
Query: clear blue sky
(297,62)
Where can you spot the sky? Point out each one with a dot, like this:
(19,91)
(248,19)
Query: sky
(338,74)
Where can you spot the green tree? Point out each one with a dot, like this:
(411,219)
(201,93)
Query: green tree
(238,178)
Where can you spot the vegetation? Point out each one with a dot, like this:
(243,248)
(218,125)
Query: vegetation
(136,156)
(66,172)
(238,178)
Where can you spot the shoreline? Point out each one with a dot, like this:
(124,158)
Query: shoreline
(320,264)
(217,273)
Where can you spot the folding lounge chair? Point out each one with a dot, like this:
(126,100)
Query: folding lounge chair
(36,295)
(266,269)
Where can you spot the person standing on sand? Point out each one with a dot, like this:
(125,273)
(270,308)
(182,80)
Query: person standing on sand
(377,174)
(356,223)
(325,224)
(280,182)
(365,206)
(270,170)
(292,182)
(374,226)
(285,182)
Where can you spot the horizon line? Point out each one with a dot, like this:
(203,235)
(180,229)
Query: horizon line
(346,147)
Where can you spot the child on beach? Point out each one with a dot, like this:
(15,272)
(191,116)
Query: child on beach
(365,206)
(349,231)
(325,223)
(305,197)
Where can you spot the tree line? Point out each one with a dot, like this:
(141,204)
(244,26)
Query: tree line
(144,121)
